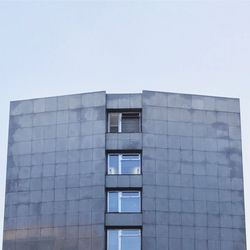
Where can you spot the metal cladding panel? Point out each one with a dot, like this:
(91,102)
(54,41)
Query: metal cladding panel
(55,196)
(192,173)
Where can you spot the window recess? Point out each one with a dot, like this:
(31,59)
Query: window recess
(124,201)
(124,239)
(123,163)
(124,122)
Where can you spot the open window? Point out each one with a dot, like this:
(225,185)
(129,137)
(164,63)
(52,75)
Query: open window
(124,122)
(123,163)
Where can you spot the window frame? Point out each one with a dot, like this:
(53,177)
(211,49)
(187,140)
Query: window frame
(120,113)
(119,200)
(119,229)
(120,155)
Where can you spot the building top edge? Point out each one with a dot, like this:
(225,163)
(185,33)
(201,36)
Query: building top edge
(192,94)
(128,93)
(55,96)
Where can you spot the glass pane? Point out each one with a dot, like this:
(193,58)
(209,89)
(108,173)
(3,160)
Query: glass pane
(135,194)
(130,125)
(113,122)
(130,167)
(112,239)
(131,157)
(114,129)
(130,204)
(112,202)
(130,243)
(131,232)
(113,164)
(131,115)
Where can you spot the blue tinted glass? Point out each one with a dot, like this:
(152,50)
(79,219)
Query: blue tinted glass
(130,166)
(130,243)
(136,194)
(130,204)
(130,157)
(112,239)
(130,232)
(113,202)
(113,164)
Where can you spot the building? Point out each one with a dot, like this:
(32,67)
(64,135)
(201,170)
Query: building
(150,171)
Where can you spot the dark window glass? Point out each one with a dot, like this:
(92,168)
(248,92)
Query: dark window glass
(130,122)
(126,122)
(114,122)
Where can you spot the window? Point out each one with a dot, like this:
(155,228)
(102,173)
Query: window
(124,202)
(123,239)
(124,163)
(124,122)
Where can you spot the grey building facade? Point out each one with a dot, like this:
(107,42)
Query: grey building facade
(148,171)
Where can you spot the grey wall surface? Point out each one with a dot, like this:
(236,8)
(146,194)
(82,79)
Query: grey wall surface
(192,180)
(192,173)
(55,197)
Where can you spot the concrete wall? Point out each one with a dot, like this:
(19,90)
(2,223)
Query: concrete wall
(55,197)
(192,173)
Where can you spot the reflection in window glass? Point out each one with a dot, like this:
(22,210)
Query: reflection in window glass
(130,167)
(124,202)
(124,163)
(112,239)
(129,243)
(113,202)
(124,239)
(130,202)
(113,164)
(130,157)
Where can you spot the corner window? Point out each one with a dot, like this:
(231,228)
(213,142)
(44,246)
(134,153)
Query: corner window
(127,163)
(124,122)
(123,239)
(124,201)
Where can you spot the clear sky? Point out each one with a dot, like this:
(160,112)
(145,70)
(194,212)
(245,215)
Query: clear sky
(54,48)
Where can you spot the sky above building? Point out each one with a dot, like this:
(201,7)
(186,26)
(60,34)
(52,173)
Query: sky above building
(64,47)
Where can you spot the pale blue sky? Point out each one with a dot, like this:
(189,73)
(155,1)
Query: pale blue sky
(55,48)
